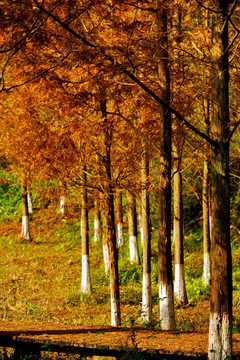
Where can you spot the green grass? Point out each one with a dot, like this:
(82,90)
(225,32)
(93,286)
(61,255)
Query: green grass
(40,280)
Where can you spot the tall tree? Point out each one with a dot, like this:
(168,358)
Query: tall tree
(178,234)
(119,217)
(132,228)
(220,327)
(109,218)
(105,244)
(146,234)
(167,315)
(97,221)
(206,202)
(85,279)
(25,213)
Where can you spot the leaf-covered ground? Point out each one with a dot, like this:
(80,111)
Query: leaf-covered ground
(40,281)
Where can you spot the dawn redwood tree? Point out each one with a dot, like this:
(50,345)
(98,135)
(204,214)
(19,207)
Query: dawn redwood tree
(132,228)
(206,202)
(105,244)
(146,237)
(25,234)
(220,326)
(178,233)
(166,300)
(85,278)
(97,221)
(119,217)
(29,200)
(108,209)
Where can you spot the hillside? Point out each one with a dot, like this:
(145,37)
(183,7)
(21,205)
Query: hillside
(40,279)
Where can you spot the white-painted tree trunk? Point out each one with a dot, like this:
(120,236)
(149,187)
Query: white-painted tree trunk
(146,298)
(206,269)
(133,249)
(166,305)
(97,230)
(179,283)
(85,281)
(25,228)
(114,313)
(219,342)
(119,234)
(62,204)
(106,258)
(29,200)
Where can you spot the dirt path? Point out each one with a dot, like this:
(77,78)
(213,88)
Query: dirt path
(165,342)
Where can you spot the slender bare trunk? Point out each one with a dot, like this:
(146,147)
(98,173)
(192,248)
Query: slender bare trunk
(132,228)
(220,326)
(146,234)
(62,204)
(105,244)
(29,200)
(97,222)
(25,213)
(110,222)
(206,203)
(85,279)
(179,280)
(119,217)
(166,303)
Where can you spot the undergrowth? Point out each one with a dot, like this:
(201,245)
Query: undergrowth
(40,280)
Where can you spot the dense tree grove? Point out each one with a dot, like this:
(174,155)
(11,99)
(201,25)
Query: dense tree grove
(117,98)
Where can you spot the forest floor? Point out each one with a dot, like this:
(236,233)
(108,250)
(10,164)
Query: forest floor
(165,342)
(40,297)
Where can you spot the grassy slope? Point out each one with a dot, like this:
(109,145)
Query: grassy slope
(40,280)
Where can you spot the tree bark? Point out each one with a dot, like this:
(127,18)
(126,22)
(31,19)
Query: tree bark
(29,200)
(206,223)
(220,326)
(132,228)
(179,280)
(105,244)
(110,222)
(85,279)
(146,234)
(97,222)
(25,234)
(119,218)
(206,202)
(166,301)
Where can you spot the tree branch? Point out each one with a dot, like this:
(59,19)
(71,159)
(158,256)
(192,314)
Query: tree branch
(129,74)
(233,131)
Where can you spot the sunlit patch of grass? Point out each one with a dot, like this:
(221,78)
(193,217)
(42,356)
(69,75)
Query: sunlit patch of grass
(193,317)
(40,280)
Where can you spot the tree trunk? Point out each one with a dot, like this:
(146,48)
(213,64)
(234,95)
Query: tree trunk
(166,303)
(29,200)
(110,223)
(25,214)
(179,280)
(62,204)
(220,326)
(146,234)
(97,222)
(119,217)
(132,228)
(206,204)
(85,280)
(105,244)
(206,225)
